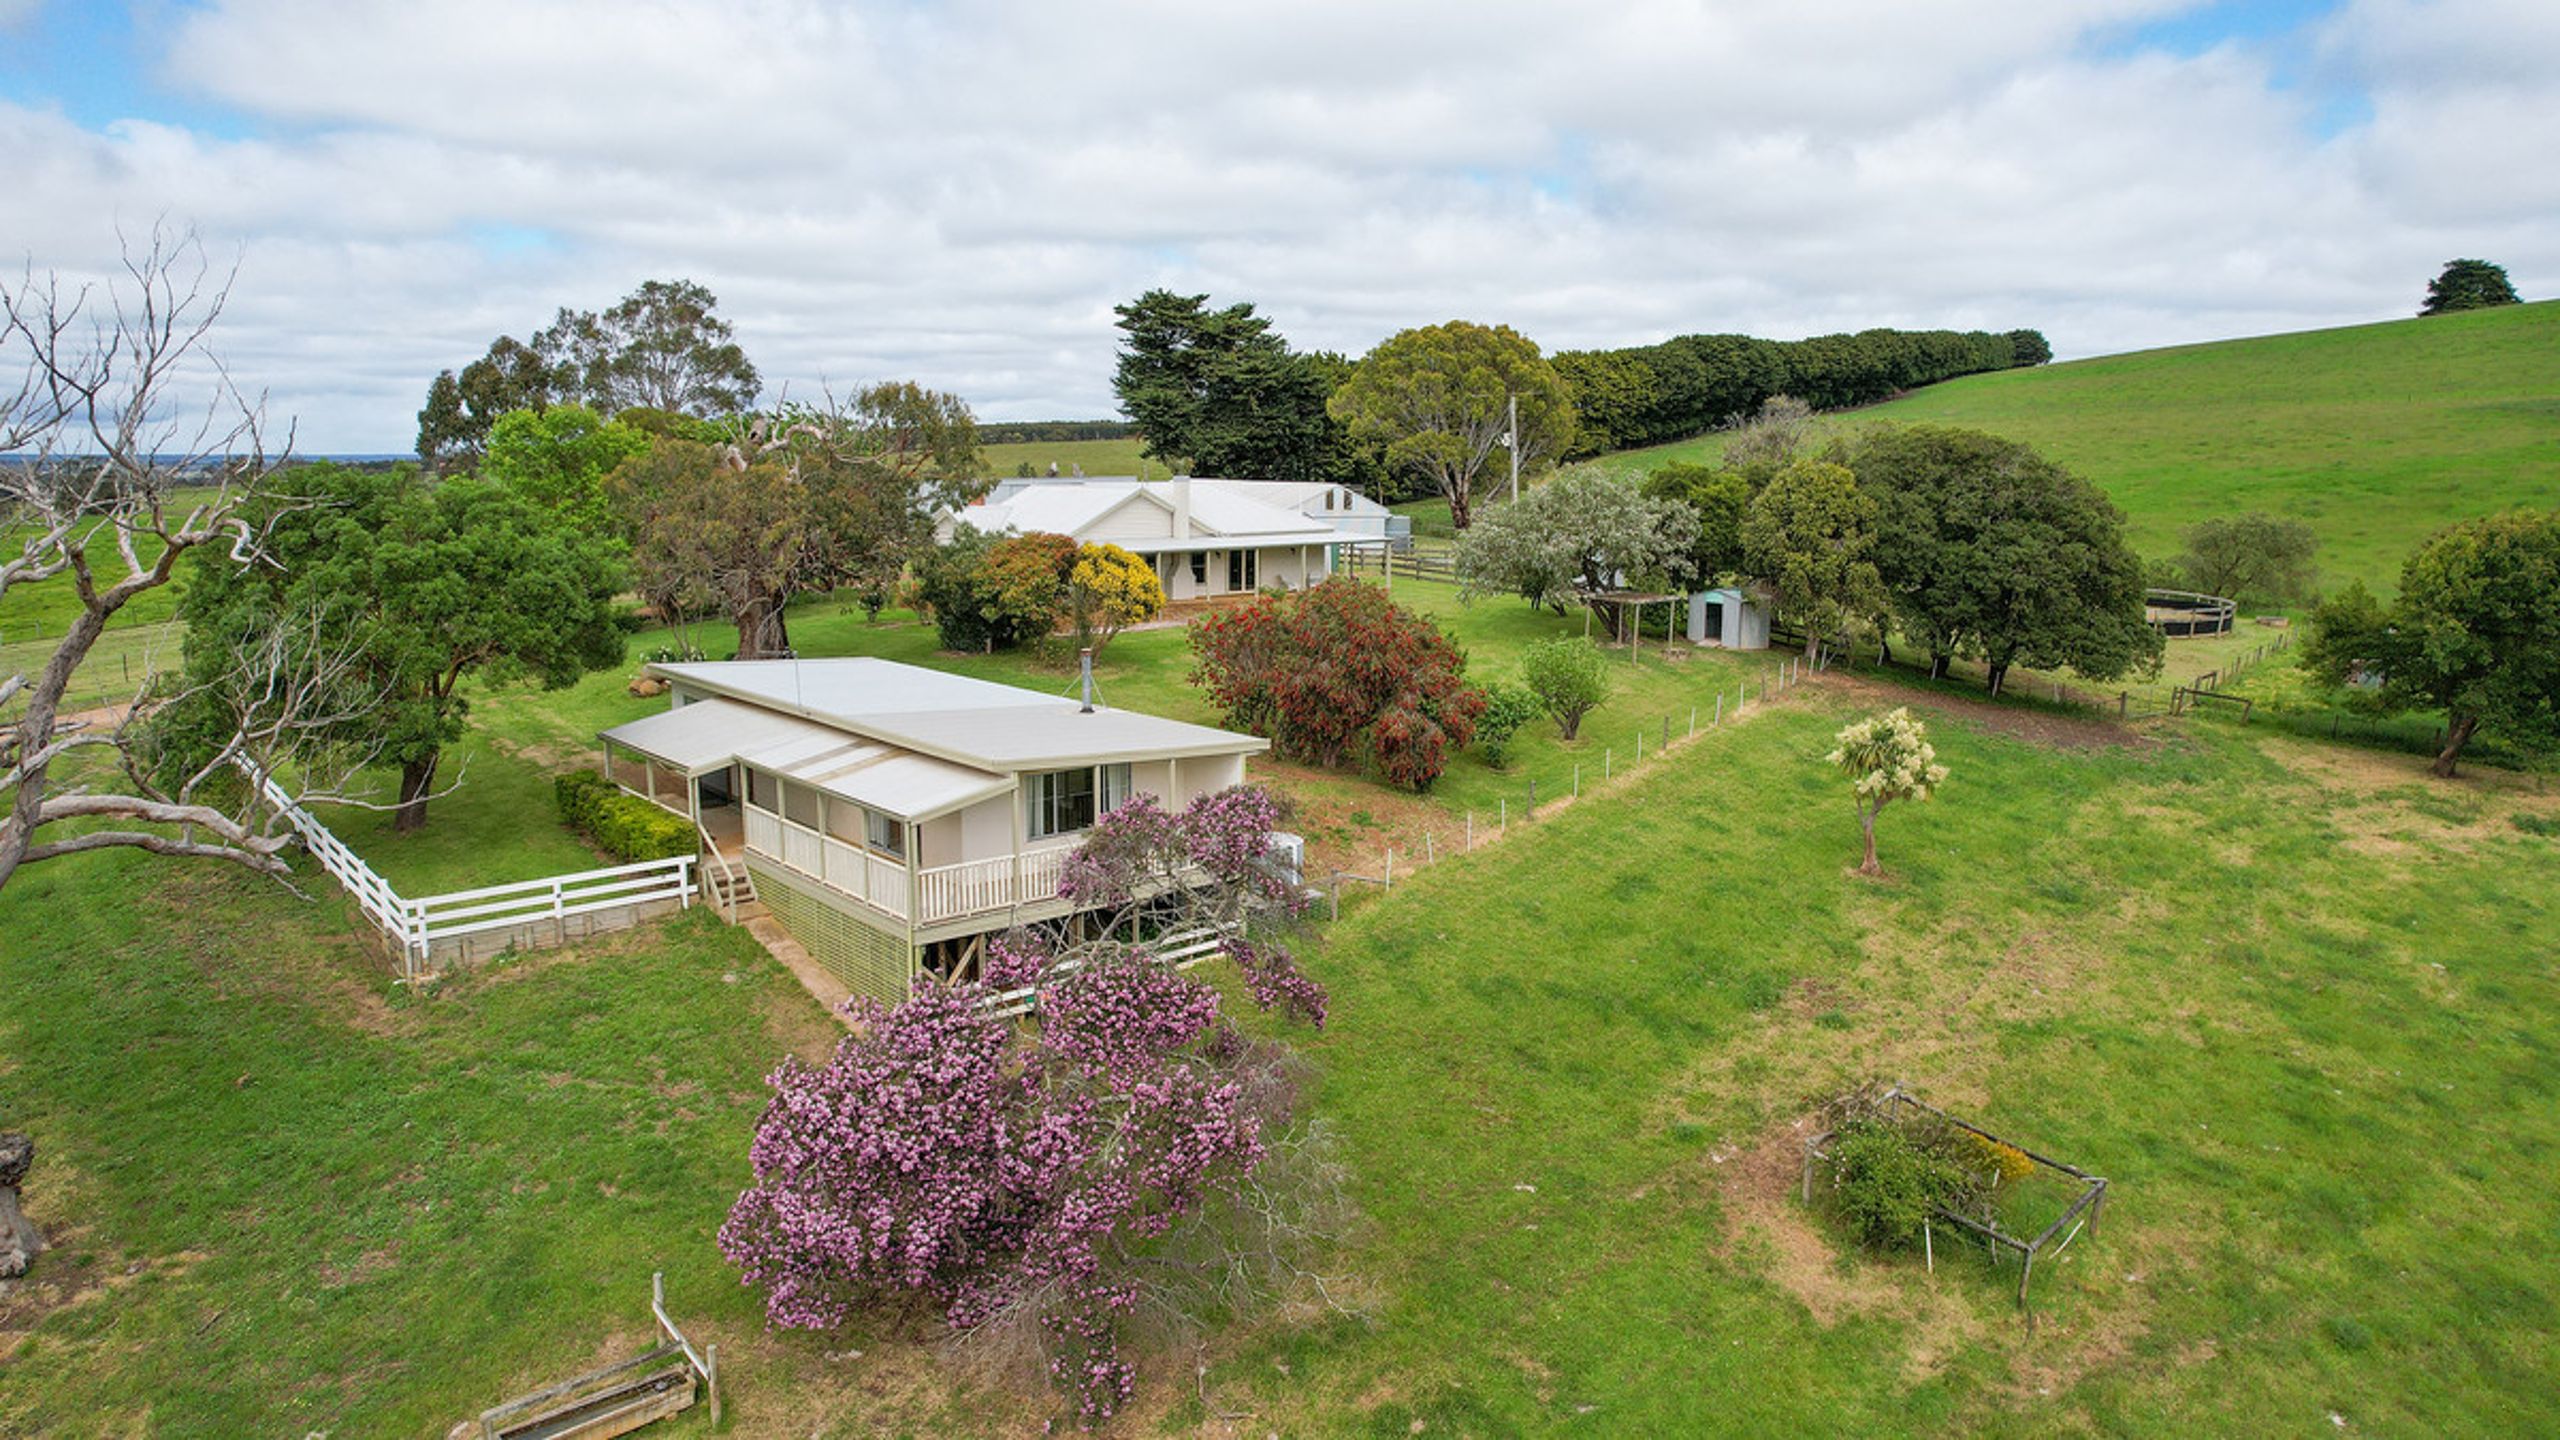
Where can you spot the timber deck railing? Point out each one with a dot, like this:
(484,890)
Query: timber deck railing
(941,892)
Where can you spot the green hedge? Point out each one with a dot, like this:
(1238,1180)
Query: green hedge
(623,826)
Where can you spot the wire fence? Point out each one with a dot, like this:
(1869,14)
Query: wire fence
(1398,854)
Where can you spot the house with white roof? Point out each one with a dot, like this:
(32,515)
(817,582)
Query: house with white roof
(893,817)
(1358,518)
(1206,538)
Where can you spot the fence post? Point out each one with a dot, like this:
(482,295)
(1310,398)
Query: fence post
(1391,868)
(1533,799)
(1639,747)
(1503,813)
(1606,758)
(1471,830)
(2124,698)
(1719,709)
(1693,719)
(1430,851)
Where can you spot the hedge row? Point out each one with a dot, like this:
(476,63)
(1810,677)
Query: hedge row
(622,825)
(1649,394)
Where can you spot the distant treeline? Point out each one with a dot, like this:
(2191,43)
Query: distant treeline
(1049,432)
(1650,394)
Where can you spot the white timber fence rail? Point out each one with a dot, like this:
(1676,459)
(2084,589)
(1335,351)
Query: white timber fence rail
(463,924)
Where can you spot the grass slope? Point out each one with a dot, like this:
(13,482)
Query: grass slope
(2291,1000)
(2288,1001)
(1098,457)
(2375,434)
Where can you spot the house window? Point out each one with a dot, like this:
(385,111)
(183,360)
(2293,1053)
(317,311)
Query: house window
(1061,802)
(799,804)
(844,820)
(1328,499)
(760,791)
(1200,568)
(1241,569)
(885,833)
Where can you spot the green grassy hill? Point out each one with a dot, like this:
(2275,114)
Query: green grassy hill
(2375,434)
(1098,457)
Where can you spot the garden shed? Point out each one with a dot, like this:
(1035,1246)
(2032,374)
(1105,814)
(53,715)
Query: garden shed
(1733,618)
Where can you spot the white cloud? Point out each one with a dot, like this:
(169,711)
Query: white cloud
(959,192)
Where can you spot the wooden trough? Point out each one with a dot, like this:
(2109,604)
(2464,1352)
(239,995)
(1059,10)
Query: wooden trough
(615,1399)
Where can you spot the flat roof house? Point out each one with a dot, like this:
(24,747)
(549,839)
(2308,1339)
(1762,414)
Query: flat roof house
(1206,538)
(893,817)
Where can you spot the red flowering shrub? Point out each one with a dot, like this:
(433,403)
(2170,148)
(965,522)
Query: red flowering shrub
(1339,672)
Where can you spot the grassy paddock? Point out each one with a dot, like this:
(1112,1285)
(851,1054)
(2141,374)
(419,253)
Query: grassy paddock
(2377,435)
(1098,457)
(2290,999)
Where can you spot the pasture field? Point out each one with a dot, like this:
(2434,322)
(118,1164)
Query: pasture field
(2293,1000)
(2377,435)
(1098,457)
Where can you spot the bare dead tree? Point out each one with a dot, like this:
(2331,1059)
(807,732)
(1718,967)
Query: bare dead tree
(114,477)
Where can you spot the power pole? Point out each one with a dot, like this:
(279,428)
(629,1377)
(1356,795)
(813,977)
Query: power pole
(1511,442)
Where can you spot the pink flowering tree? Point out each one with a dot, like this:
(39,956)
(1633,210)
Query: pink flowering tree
(1061,1193)
(1207,868)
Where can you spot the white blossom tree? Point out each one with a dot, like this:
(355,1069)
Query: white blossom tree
(1887,757)
(1582,534)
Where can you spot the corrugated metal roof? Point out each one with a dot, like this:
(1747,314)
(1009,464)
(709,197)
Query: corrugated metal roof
(709,734)
(975,723)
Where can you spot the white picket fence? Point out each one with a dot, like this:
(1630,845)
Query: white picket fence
(416,928)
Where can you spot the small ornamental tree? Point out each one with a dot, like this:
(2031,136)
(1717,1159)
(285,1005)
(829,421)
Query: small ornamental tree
(993,592)
(1569,677)
(1109,589)
(1338,673)
(1508,709)
(1022,584)
(1135,1165)
(1887,757)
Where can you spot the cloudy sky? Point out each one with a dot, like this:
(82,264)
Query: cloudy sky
(958,191)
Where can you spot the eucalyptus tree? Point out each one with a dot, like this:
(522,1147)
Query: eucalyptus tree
(1441,401)
(130,450)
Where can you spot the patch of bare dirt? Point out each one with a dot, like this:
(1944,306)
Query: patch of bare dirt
(2038,727)
(2390,807)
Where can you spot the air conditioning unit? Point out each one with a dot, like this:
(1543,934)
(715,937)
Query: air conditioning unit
(1289,853)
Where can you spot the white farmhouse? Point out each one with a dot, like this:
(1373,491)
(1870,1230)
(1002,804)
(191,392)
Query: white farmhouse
(1206,538)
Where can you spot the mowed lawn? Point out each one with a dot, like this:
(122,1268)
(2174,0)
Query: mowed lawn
(2295,1001)
(2377,435)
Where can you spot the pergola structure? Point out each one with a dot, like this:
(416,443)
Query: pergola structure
(1638,599)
